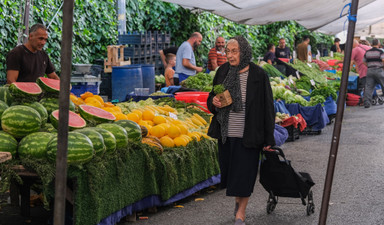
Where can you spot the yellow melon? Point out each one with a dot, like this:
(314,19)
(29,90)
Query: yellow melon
(179,141)
(148,115)
(159,120)
(173,131)
(157,131)
(166,141)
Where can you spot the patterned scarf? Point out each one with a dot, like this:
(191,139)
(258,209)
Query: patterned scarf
(232,84)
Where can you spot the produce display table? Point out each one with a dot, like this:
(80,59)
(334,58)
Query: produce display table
(315,116)
(110,187)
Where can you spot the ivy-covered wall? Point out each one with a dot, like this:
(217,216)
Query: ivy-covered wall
(95,27)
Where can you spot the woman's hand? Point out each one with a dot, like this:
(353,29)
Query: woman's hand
(268,148)
(216,102)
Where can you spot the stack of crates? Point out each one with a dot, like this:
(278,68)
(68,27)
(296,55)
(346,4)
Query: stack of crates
(144,47)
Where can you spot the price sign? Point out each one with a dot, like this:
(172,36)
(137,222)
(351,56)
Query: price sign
(173,116)
(313,82)
(297,74)
(309,65)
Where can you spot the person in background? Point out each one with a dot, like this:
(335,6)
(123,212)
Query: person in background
(185,58)
(373,59)
(169,72)
(364,42)
(336,45)
(216,56)
(164,52)
(302,49)
(270,57)
(357,58)
(26,63)
(245,127)
(282,51)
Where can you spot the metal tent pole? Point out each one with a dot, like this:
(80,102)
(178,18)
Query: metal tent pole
(339,114)
(62,133)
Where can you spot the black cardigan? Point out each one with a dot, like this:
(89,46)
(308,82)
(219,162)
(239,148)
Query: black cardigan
(259,112)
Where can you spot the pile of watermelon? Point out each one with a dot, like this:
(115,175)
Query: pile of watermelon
(29,118)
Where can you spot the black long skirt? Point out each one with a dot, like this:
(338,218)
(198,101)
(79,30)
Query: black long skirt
(238,166)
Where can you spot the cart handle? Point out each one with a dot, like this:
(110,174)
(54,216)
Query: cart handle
(277,150)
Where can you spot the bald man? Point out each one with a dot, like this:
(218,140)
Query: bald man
(216,56)
(27,62)
(357,58)
(185,58)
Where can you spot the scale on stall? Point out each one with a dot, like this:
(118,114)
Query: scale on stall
(86,77)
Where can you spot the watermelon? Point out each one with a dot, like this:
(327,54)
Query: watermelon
(48,127)
(75,121)
(97,140)
(109,139)
(8,143)
(80,149)
(40,109)
(133,129)
(20,120)
(3,107)
(25,91)
(119,133)
(49,85)
(5,95)
(95,115)
(51,104)
(35,145)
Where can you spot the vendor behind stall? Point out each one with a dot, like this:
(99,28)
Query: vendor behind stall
(25,63)
(270,57)
(282,51)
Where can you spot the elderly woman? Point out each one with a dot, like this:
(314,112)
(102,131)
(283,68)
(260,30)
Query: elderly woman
(246,126)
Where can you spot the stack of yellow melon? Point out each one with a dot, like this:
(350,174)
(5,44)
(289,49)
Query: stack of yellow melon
(171,132)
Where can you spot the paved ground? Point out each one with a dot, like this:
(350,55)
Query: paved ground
(356,195)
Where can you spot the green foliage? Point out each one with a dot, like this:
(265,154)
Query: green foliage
(218,89)
(95,27)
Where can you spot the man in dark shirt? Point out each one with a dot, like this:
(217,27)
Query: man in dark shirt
(270,57)
(374,59)
(282,51)
(336,46)
(27,62)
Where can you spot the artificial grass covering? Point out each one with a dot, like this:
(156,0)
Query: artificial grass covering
(107,184)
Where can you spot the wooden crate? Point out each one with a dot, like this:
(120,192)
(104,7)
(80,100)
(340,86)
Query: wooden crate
(114,59)
(5,156)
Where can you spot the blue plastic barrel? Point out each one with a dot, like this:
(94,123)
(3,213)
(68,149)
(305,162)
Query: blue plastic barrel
(148,71)
(124,80)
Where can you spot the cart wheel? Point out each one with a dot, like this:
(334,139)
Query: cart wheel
(311,205)
(270,207)
(374,101)
(310,209)
(381,101)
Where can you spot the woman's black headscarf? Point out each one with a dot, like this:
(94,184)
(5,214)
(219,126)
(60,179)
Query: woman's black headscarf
(232,84)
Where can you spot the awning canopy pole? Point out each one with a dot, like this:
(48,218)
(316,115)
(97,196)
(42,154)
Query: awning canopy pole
(62,132)
(339,115)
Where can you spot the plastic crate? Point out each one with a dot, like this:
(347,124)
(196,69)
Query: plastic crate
(80,88)
(309,131)
(135,38)
(293,133)
(353,82)
(167,38)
